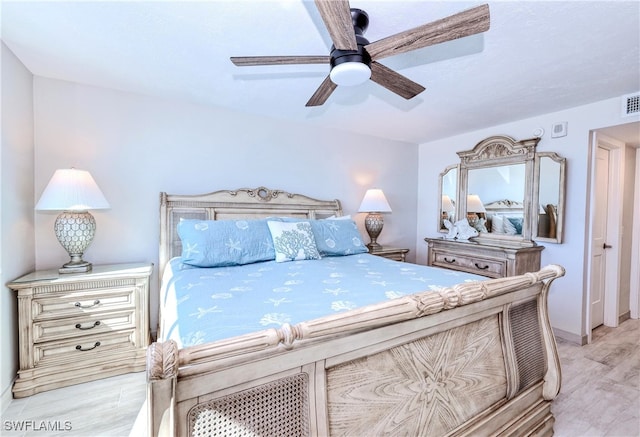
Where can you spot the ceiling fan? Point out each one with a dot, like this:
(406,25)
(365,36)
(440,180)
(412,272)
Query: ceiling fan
(354,59)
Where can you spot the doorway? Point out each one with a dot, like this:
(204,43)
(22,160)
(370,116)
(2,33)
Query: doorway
(612,276)
(605,233)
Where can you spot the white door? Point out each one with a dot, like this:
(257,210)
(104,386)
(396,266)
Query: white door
(599,238)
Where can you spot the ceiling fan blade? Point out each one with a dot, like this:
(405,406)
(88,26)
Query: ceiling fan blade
(322,93)
(465,23)
(243,61)
(336,15)
(394,82)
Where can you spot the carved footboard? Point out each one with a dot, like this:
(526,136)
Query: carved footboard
(475,359)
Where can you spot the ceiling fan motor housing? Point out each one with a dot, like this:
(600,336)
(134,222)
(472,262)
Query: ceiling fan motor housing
(360,21)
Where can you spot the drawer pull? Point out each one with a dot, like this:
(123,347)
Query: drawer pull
(95,302)
(450,261)
(79,347)
(84,328)
(481,268)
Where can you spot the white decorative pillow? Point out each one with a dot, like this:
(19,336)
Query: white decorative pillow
(509,227)
(497,225)
(293,241)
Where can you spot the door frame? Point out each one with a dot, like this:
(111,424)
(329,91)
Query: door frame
(614,229)
(634,298)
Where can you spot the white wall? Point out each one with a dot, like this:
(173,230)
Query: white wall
(137,146)
(567,300)
(16,213)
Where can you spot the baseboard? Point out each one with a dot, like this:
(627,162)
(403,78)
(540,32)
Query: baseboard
(570,337)
(623,317)
(6,398)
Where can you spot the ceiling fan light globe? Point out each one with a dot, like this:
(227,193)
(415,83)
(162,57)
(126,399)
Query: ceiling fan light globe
(350,74)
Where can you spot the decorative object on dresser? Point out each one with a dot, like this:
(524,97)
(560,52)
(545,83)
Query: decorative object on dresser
(394,253)
(80,327)
(74,192)
(460,230)
(375,203)
(289,374)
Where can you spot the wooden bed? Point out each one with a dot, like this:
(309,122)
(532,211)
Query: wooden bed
(475,359)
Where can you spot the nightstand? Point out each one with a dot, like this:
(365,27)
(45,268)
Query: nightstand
(393,253)
(81,327)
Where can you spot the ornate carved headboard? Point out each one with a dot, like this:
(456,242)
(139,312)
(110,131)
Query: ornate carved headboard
(505,206)
(233,204)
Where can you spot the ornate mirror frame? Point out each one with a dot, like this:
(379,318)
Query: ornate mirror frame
(448,212)
(550,217)
(539,222)
(494,152)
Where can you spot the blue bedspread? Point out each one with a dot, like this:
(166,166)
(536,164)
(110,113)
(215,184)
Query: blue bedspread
(207,304)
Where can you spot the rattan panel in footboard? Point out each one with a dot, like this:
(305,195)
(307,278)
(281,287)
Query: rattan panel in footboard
(279,408)
(527,343)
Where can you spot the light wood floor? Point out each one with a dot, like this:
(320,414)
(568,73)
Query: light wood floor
(600,395)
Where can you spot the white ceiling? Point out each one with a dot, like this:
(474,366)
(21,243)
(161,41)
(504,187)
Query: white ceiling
(537,57)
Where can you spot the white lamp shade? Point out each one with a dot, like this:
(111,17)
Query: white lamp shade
(350,73)
(474,204)
(374,201)
(447,204)
(71,190)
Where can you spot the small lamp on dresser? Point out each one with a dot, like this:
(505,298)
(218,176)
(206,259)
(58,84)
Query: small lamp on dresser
(74,192)
(375,203)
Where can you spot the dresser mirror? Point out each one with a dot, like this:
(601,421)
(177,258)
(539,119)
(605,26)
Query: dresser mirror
(509,193)
(550,181)
(448,195)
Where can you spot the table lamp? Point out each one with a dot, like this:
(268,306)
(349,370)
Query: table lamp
(375,204)
(74,192)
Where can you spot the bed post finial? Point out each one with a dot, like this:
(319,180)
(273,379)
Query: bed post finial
(162,360)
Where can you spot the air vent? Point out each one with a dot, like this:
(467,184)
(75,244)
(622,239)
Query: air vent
(631,104)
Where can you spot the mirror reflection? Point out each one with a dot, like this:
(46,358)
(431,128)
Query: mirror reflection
(550,178)
(449,193)
(495,199)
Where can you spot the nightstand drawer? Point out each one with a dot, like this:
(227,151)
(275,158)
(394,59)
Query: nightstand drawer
(480,266)
(78,303)
(83,348)
(89,324)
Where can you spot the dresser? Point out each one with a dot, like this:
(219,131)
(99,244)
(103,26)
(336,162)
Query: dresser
(394,253)
(80,327)
(493,261)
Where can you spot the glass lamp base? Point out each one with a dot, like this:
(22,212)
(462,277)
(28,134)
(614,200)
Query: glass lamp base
(75,231)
